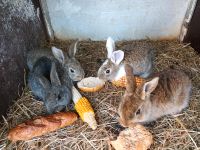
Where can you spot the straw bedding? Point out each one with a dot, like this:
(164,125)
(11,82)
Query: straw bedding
(181,131)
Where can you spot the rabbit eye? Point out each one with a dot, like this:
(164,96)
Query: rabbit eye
(71,70)
(107,71)
(59,97)
(138,112)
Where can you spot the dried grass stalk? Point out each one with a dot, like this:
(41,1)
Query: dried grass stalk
(170,132)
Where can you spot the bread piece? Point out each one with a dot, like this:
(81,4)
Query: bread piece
(137,138)
(90,84)
(41,125)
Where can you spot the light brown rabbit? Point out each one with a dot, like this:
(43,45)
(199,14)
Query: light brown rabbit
(166,93)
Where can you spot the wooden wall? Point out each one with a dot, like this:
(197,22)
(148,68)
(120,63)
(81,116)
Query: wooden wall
(20,30)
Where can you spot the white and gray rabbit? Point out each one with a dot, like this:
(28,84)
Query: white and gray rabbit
(50,83)
(113,67)
(167,92)
(70,63)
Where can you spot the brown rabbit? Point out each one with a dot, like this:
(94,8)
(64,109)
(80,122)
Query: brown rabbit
(167,93)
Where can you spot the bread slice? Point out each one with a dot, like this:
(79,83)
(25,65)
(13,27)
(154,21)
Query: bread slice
(90,84)
(137,138)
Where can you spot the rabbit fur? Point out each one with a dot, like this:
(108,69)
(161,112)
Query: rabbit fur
(50,83)
(166,93)
(140,59)
(70,63)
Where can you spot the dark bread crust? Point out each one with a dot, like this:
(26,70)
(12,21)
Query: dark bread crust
(41,125)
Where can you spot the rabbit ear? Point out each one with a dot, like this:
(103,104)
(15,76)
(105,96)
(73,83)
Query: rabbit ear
(131,84)
(58,54)
(54,75)
(44,83)
(117,57)
(110,46)
(149,87)
(73,49)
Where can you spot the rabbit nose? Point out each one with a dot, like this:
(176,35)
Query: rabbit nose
(59,108)
(83,76)
(79,78)
(122,123)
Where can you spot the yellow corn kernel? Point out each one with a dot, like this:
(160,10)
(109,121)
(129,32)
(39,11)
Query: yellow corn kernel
(139,81)
(83,106)
(122,81)
(84,109)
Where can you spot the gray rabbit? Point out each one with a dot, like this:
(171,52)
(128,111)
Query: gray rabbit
(140,60)
(50,83)
(68,60)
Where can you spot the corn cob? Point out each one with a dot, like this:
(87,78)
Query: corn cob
(84,109)
(122,81)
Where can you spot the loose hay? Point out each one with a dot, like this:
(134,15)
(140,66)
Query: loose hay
(181,131)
